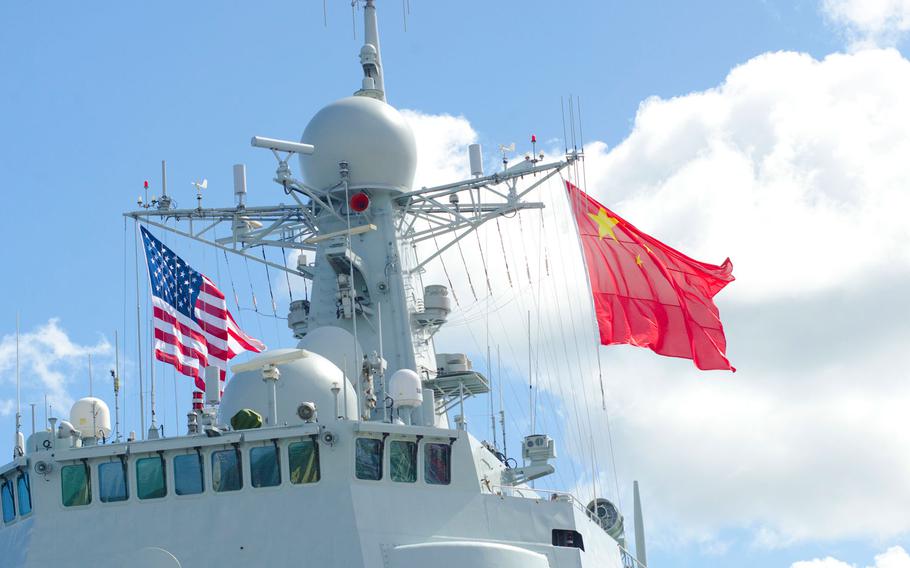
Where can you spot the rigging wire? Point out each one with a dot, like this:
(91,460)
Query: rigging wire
(521,296)
(575,335)
(593,320)
(505,259)
(466,269)
(246,263)
(446,272)
(268,277)
(584,172)
(521,231)
(287,275)
(546,253)
(227,263)
(483,263)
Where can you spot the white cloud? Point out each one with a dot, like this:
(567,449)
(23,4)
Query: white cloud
(50,362)
(796,168)
(870,22)
(441,144)
(826,562)
(894,557)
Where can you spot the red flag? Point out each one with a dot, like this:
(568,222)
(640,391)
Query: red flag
(648,294)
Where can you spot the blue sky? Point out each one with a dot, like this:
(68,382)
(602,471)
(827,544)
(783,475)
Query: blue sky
(93,97)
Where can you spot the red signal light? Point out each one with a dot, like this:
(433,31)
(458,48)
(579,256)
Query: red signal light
(145,184)
(359,202)
(533,139)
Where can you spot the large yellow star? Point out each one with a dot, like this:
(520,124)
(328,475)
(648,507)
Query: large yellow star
(605,224)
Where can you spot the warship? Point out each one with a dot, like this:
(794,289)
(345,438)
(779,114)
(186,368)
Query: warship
(350,450)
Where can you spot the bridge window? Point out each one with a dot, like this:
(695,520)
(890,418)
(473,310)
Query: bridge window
(24,490)
(437,464)
(150,480)
(226,470)
(188,474)
(112,481)
(75,483)
(264,467)
(403,461)
(9,505)
(369,459)
(303,458)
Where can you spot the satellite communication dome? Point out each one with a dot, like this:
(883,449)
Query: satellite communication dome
(370,135)
(406,388)
(92,417)
(309,379)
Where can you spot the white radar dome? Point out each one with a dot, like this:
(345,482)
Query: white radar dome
(370,135)
(335,344)
(92,417)
(309,379)
(405,388)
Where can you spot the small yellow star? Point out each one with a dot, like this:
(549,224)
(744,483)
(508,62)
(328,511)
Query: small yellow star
(605,224)
(638,260)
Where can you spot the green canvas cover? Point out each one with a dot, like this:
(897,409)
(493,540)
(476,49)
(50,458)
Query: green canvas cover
(246,419)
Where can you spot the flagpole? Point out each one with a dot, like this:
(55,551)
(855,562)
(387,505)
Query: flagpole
(139,341)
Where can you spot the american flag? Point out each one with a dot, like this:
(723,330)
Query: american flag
(193,327)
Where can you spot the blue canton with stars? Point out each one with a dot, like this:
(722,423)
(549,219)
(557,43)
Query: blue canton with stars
(172,279)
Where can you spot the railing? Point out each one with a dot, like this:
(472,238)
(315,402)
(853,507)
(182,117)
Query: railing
(628,559)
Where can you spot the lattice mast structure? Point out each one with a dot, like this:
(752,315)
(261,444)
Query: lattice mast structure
(355,223)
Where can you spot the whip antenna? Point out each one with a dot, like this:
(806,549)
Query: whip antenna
(19,449)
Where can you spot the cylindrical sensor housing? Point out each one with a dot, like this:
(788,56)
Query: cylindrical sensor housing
(240,184)
(475,158)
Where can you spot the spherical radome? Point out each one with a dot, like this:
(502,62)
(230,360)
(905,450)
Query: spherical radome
(335,344)
(370,135)
(305,380)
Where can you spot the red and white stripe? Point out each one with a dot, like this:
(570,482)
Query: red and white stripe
(212,339)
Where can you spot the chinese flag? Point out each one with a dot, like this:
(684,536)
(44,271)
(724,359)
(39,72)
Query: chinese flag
(648,294)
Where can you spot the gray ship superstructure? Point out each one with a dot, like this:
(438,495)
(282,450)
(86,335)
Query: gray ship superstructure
(363,458)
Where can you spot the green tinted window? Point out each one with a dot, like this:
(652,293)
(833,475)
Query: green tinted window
(226,472)
(150,481)
(403,461)
(369,458)
(75,483)
(24,489)
(112,481)
(188,474)
(438,464)
(8,504)
(264,468)
(303,458)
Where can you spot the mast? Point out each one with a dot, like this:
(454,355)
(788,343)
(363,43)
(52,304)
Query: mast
(359,216)
(370,58)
